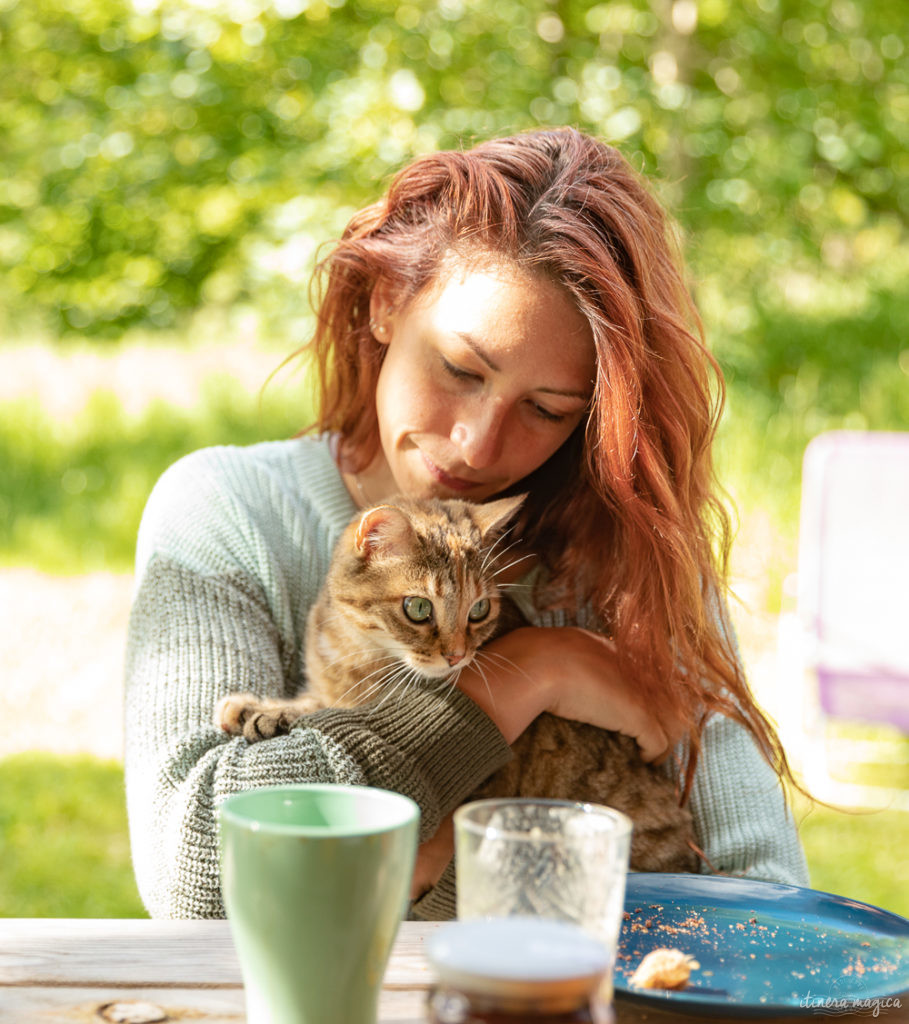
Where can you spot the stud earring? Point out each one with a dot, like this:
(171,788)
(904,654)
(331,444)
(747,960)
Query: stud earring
(376,328)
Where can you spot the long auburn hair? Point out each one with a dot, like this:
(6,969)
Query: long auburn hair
(626,515)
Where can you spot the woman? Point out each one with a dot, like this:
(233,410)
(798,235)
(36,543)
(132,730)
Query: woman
(510,319)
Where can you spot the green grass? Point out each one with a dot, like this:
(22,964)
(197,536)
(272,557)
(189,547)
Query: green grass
(72,494)
(793,374)
(862,854)
(867,754)
(64,849)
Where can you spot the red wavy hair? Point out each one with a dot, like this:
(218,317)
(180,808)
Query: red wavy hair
(626,514)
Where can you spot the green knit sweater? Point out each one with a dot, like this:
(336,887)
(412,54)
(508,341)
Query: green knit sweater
(232,550)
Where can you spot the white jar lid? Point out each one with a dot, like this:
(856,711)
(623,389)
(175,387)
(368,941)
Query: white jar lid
(530,958)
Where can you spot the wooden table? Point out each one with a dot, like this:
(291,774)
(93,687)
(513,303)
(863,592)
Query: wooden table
(89,971)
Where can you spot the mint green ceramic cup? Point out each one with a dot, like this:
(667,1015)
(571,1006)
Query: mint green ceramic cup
(315,880)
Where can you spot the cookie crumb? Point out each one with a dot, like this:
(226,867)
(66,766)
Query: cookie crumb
(664,968)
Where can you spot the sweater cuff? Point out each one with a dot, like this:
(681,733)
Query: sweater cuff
(446,744)
(441,902)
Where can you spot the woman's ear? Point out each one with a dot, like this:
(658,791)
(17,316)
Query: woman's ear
(382,304)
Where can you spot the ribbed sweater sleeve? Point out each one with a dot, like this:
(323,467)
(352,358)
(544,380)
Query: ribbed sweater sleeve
(232,551)
(740,813)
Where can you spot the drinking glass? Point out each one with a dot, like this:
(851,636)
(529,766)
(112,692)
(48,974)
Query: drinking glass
(545,859)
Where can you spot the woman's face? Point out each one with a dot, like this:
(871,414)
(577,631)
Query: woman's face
(487,373)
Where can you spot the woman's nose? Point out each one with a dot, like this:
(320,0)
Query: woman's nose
(479,438)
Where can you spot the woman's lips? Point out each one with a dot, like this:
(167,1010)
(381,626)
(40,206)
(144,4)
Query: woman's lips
(454,483)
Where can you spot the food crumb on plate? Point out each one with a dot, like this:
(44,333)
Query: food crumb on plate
(664,968)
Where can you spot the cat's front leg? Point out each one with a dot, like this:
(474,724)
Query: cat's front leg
(246,715)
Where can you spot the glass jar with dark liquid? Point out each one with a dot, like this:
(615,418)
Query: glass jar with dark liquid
(505,970)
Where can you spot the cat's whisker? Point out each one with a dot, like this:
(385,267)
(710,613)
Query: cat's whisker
(496,656)
(501,660)
(385,673)
(384,666)
(428,683)
(389,673)
(351,670)
(378,689)
(373,655)
(513,562)
(353,655)
(404,672)
(489,553)
(485,678)
(401,683)
(412,679)
(493,558)
(444,684)
(360,696)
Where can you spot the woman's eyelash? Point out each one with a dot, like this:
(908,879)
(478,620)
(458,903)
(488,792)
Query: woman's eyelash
(551,417)
(457,372)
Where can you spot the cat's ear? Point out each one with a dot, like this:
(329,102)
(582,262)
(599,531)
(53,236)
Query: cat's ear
(383,530)
(493,516)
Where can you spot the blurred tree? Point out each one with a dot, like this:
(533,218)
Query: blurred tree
(156,157)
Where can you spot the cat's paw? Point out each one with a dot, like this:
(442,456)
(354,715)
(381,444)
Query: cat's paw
(262,723)
(231,712)
(243,714)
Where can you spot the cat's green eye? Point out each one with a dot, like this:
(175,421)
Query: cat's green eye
(417,609)
(479,611)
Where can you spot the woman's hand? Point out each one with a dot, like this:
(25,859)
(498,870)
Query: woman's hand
(569,672)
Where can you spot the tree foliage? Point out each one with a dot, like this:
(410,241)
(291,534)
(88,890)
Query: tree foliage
(157,157)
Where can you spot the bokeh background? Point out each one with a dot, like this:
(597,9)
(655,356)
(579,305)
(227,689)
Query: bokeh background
(169,173)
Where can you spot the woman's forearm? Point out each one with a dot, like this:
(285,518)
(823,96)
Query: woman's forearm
(511,694)
(569,672)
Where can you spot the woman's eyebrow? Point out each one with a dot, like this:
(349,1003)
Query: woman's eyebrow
(584,396)
(471,342)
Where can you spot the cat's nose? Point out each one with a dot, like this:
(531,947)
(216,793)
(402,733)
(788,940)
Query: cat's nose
(453,659)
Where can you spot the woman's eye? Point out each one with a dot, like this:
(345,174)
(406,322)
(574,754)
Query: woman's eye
(457,372)
(417,609)
(479,611)
(550,417)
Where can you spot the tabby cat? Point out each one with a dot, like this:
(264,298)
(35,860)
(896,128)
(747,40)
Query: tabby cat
(410,598)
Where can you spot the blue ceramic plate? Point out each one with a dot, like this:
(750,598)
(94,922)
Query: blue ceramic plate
(763,948)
